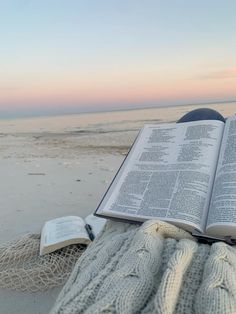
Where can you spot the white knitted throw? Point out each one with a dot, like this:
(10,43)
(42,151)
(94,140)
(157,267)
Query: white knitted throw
(155,268)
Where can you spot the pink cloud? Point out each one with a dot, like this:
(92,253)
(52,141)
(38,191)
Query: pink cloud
(222,74)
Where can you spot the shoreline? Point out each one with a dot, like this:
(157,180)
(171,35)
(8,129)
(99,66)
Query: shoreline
(54,115)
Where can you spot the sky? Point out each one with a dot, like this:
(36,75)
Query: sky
(63,56)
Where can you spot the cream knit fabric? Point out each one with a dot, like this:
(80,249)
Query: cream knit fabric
(155,268)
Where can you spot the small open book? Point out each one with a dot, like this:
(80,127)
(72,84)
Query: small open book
(182,173)
(60,232)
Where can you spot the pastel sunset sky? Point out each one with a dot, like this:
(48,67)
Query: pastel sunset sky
(62,56)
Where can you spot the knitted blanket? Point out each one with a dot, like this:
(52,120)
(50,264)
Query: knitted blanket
(155,268)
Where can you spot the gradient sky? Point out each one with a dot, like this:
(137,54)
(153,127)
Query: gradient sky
(65,56)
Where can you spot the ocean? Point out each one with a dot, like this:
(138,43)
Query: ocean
(67,136)
(106,121)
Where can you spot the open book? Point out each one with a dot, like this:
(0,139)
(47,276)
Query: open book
(60,232)
(182,173)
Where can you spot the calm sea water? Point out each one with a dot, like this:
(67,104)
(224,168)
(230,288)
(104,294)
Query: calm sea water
(105,121)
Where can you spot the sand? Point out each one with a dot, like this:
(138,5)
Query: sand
(57,166)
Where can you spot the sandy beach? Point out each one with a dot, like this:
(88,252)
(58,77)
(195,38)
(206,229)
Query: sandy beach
(57,166)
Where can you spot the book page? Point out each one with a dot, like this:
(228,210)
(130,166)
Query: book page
(168,174)
(222,213)
(62,229)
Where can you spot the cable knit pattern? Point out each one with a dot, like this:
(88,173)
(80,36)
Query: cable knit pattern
(153,268)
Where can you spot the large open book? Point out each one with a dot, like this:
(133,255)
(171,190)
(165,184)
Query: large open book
(182,173)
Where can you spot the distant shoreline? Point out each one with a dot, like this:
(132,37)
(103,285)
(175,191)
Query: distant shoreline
(114,110)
